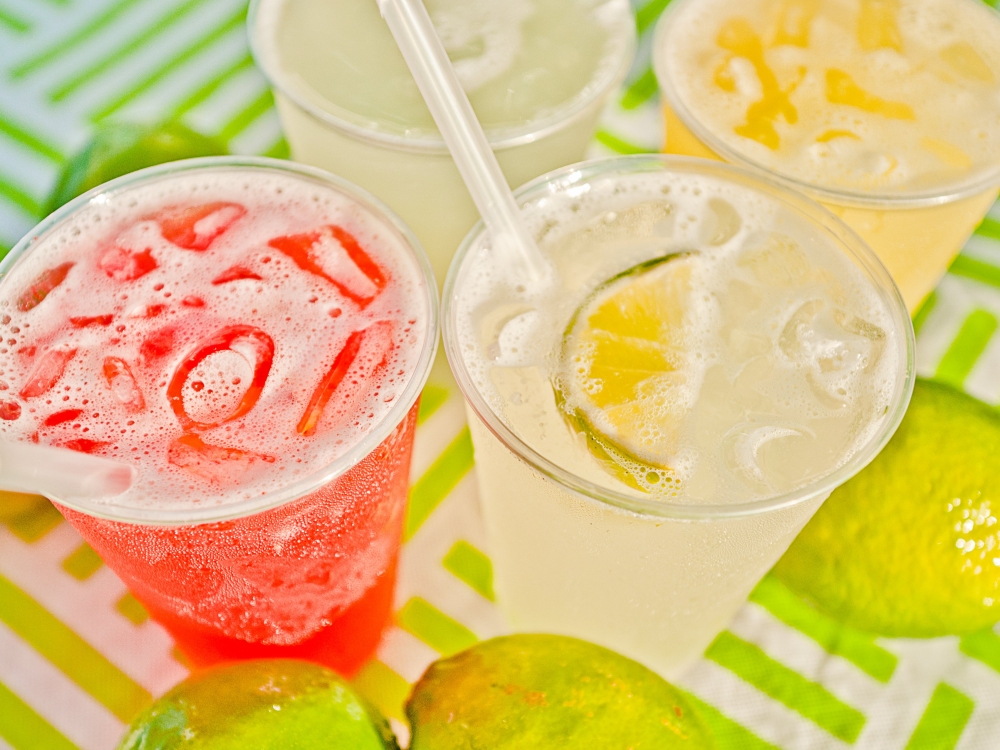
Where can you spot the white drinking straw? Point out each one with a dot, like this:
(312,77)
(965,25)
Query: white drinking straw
(432,70)
(61,474)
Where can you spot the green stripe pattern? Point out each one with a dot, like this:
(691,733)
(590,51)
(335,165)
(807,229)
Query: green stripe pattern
(983,646)
(12,21)
(442,633)
(76,658)
(172,17)
(82,563)
(432,398)
(73,40)
(185,55)
(439,480)
(990,228)
(729,735)
(966,348)
(943,720)
(976,270)
(858,648)
(620,145)
(23,729)
(813,701)
(472,566)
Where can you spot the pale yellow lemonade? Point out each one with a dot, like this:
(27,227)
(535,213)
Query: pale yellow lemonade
(536,71)
(886,111)
(655,424)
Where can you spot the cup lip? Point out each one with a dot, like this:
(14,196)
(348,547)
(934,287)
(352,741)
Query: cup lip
(578,108)
(563,178)
(193,515)
(844,197)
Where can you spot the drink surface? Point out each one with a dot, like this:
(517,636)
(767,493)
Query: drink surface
(520,61)
(703,342)
(888,98)
(228,332)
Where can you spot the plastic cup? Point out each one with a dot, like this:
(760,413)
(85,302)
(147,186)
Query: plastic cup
(916,234)
(304,571)
(654,580)
(414,173)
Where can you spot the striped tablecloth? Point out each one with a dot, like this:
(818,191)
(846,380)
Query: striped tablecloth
(78,655)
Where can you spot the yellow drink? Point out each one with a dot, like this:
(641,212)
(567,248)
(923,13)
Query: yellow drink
(886,111)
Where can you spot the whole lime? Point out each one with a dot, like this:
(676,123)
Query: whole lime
(272,704)
(910,547)
(120,148)
(526,692)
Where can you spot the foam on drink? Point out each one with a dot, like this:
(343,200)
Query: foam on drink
(782,362)
(878,97)
(228,332)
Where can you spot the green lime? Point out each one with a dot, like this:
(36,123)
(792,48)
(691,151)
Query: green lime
(622,355)
(120,148)
(910,547)
(526,692)
(270,704)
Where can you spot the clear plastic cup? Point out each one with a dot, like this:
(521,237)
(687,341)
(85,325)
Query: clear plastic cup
(915,232)
(653,579)
(411,170)
(304,571)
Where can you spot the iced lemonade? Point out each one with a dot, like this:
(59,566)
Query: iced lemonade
(537,73)
(251,337)
(886,111)
(712,356)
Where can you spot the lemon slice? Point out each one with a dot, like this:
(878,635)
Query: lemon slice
(623,371)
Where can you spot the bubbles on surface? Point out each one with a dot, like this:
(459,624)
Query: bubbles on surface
(781,367)
(104,334)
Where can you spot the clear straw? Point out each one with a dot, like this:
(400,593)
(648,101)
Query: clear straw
(60,473)
(446,99)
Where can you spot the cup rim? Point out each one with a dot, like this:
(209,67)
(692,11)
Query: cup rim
(839,196)
(834,228)
(578,108)
(193,515)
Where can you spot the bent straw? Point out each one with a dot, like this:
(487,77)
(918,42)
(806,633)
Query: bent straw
(60,473)
(432,70)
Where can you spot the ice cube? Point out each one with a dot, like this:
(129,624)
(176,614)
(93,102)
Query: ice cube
(831,346)
(215,463)
(721,223)
(335,255)
(775,260)
(965,60)
(40,288)
(94,320)
(196,227)
(67,415)
(251,343)
(159,343)
(47,372)
(85,445)
(122,384)
(236,273)
(123,264)
(745,441)
(362,356)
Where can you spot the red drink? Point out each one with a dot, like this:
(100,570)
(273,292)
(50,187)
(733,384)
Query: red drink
(253,337)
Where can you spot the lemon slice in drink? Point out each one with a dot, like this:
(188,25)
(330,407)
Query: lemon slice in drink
(624,370)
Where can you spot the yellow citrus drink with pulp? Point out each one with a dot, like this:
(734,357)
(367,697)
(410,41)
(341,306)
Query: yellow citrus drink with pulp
(886,111)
